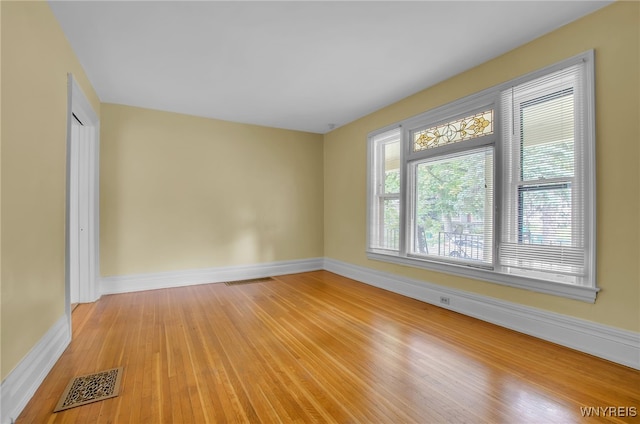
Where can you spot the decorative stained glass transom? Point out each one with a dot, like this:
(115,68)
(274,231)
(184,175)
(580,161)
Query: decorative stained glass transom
(461,129)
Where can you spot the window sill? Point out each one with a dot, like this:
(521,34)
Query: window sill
(582,293)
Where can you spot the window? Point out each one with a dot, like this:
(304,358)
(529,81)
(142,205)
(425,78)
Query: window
(452,211)
(497,186)
(386,230)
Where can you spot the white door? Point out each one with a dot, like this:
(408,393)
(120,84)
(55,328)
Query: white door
(79,210)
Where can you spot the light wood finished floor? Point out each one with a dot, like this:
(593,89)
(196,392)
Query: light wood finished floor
(317,347)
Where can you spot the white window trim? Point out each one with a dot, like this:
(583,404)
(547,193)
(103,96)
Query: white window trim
(490,97)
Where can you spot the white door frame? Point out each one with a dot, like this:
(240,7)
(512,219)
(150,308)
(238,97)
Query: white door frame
(74,209)
(78,105)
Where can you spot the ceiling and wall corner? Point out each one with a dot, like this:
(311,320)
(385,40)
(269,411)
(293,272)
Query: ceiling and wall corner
(307,66)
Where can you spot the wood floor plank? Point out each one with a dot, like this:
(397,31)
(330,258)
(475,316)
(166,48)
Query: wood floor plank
(317,347)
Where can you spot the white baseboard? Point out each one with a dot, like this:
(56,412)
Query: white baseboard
(21,384)
(606,342)
(163,280)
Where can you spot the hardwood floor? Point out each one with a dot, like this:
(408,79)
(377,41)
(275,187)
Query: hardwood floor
(317,347)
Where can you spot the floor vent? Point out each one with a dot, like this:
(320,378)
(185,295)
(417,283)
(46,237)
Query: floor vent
(90,388)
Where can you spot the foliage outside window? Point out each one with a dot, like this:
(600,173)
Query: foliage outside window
(496,186)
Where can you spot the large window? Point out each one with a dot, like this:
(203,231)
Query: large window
(497,186)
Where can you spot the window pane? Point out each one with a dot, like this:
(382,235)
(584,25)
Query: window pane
(454,205)
(462,129)
(547,129)
(390,234)
(545,215)
(392,167)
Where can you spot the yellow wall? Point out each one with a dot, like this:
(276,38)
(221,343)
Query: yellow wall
(36,58)
(181,192)
(613,33)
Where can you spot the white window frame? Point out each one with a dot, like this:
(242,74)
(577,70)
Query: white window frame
(489,98)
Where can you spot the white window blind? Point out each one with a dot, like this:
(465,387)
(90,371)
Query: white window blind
(544,206)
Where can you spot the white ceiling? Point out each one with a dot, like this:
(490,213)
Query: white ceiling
(299,65)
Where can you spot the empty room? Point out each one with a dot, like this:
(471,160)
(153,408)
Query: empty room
(331,212)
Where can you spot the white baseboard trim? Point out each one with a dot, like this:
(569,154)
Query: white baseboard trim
(163,280)
(21,384)
(613,344)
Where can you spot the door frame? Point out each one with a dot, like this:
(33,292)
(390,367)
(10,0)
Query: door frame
(78,105)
